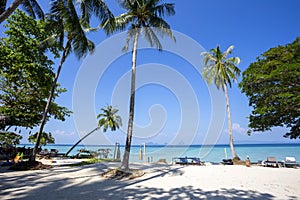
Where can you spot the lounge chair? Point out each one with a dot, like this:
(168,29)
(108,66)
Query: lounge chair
(290,162)
(53,152)
(227,162)
(195,161)
(272,162)
(181,161)
(187,161)
(44,153)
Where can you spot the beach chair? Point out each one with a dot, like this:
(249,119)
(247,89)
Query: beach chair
(227,162)
(180,160)
(195,161)
(290,162)
(272,162)
(53,152)
(44,154)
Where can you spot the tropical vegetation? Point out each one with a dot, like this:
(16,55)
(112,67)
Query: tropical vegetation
(67,25)
(141,17)
(29,6)
(46,138)
(108,118)
(272,84)
(26,73)
(220,70)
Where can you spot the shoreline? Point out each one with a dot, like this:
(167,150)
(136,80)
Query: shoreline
(256,153)
(165,145)
(160,181)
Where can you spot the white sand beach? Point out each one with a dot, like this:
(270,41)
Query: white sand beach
(160,182)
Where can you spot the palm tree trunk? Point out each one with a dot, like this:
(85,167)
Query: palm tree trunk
(233,153)
(6,13)
(81,140)
(44,118)
(125,161)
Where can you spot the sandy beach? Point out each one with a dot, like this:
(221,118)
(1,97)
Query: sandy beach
(160,182)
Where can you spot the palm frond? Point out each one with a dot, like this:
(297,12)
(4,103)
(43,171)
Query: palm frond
(220,69)
(161,27)
(166,9)
(109,118)
(80,44)
(33,8)
(130,34)
(152,38)
(227,52)
(86,8)
(144,14)
(96,7)
(117,24)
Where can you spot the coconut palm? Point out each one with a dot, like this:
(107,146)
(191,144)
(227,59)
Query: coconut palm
(67,24)
(30,6)
(107,119)
(142,17)
(221,70)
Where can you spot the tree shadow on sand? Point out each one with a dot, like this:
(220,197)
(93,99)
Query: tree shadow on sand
(93,186)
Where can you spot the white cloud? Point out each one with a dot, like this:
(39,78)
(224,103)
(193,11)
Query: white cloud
(64,133)
(237,129)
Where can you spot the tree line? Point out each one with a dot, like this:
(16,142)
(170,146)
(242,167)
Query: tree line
(271,83)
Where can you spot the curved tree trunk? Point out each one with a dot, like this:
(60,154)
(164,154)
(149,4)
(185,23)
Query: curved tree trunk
(81,140)
(125,161)
(233,153)
(6,13)
(44,119)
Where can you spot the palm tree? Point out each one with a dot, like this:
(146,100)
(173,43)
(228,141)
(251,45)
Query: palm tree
(107,119)
(65,21)
(30,6)
(142,17)
(221,70)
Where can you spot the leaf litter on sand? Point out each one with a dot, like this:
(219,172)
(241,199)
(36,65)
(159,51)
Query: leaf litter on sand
(118,173)
(29,165)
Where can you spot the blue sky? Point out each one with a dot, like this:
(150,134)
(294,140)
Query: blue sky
(170,83)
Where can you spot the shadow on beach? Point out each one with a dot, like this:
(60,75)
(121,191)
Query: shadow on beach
(86,182)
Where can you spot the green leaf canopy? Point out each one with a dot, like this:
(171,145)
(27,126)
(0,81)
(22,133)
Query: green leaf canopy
(272,84)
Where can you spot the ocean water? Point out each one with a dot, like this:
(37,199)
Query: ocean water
(216,153)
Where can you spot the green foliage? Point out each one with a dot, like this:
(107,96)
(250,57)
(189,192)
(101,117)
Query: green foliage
(9,138)
(91,161)
(26,72)
(142,16)
(272,84)
(46,138)
(220,69)
(31,7)
(109,118)
(69,23)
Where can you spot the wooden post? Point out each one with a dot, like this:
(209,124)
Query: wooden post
(225,153)
(145,152)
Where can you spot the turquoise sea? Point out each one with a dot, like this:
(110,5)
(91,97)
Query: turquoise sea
(214,153)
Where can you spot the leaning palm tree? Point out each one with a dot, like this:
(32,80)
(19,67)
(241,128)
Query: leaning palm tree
(141,17)
(107,119)
(30,6)
(67,24)
(221,70)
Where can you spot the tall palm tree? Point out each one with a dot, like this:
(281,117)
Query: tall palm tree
(30,6)
(107,119)
(221,70)
(141,17)
(68,25)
